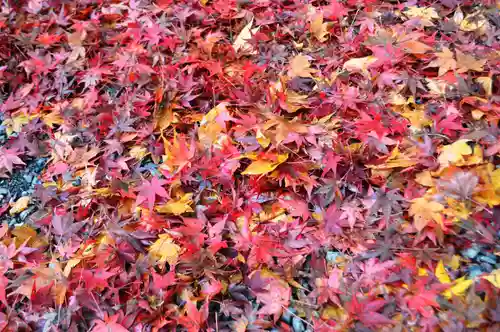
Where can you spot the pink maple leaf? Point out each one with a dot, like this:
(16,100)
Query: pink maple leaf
(9,158)
(149,190)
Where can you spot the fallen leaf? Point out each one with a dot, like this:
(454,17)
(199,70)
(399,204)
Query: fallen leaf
(425,179)
(212,124)
(261,166)
(359,64)
(445,61)
(466,62)
(300,66)
(487,84)
(427,13)
(415,47)
(20,205)
(424,211)
(473,22)
(177,206)
(460,286)
(241,42)
(494,278)
(441,273)
(318,28)
(165,250)
(455,152)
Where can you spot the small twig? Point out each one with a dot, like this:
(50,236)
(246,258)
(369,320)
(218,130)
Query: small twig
(305,303)
(432,134)
(481,205)
(416,249)
(354,18)
(294,315)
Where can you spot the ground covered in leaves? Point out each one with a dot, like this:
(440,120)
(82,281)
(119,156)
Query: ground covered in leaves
(224,165)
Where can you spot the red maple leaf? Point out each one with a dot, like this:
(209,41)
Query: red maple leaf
(194,318)
(448,124)
(109,324)
(9,158)
(366,311)
(149,190)
(423,298)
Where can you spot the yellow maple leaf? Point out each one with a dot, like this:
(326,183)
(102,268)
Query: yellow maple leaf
(138,152)
(20,205)
(489,192)
(415,47)
(26,233)
(417,117)
(164,118)
(487,84)
(456,209)
(494,278)
(263,140)
(294,101)
(210,128)
(52,118)
(424,211)
(466,62)
(177,206)
(473,22)
(165,250)
(241,41)
(359,64)
(425,179)
(395,160)
(455,262)
(318,28)
(445,61)
(16,122)
(460,286)
(300,66)
(474,159)
(422,272)
(454,153)
(426,13)
(262,166)
(441,273)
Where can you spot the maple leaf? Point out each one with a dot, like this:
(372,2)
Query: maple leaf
(360,64)
(494,278)
(20,205)
(387,202)
(241,42)
(194,318)
(335,10)
(330,162)
(300,66)
(461,186)
(366,311)
(108,324)
(441,273)
(449,123)
(9,158)
(423,298)
(318,28)
(177,207)
(149,190)
(165,250)
(262,166)
(455,152)
(445,61)
(424,211)
(466,62)
(272,291)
